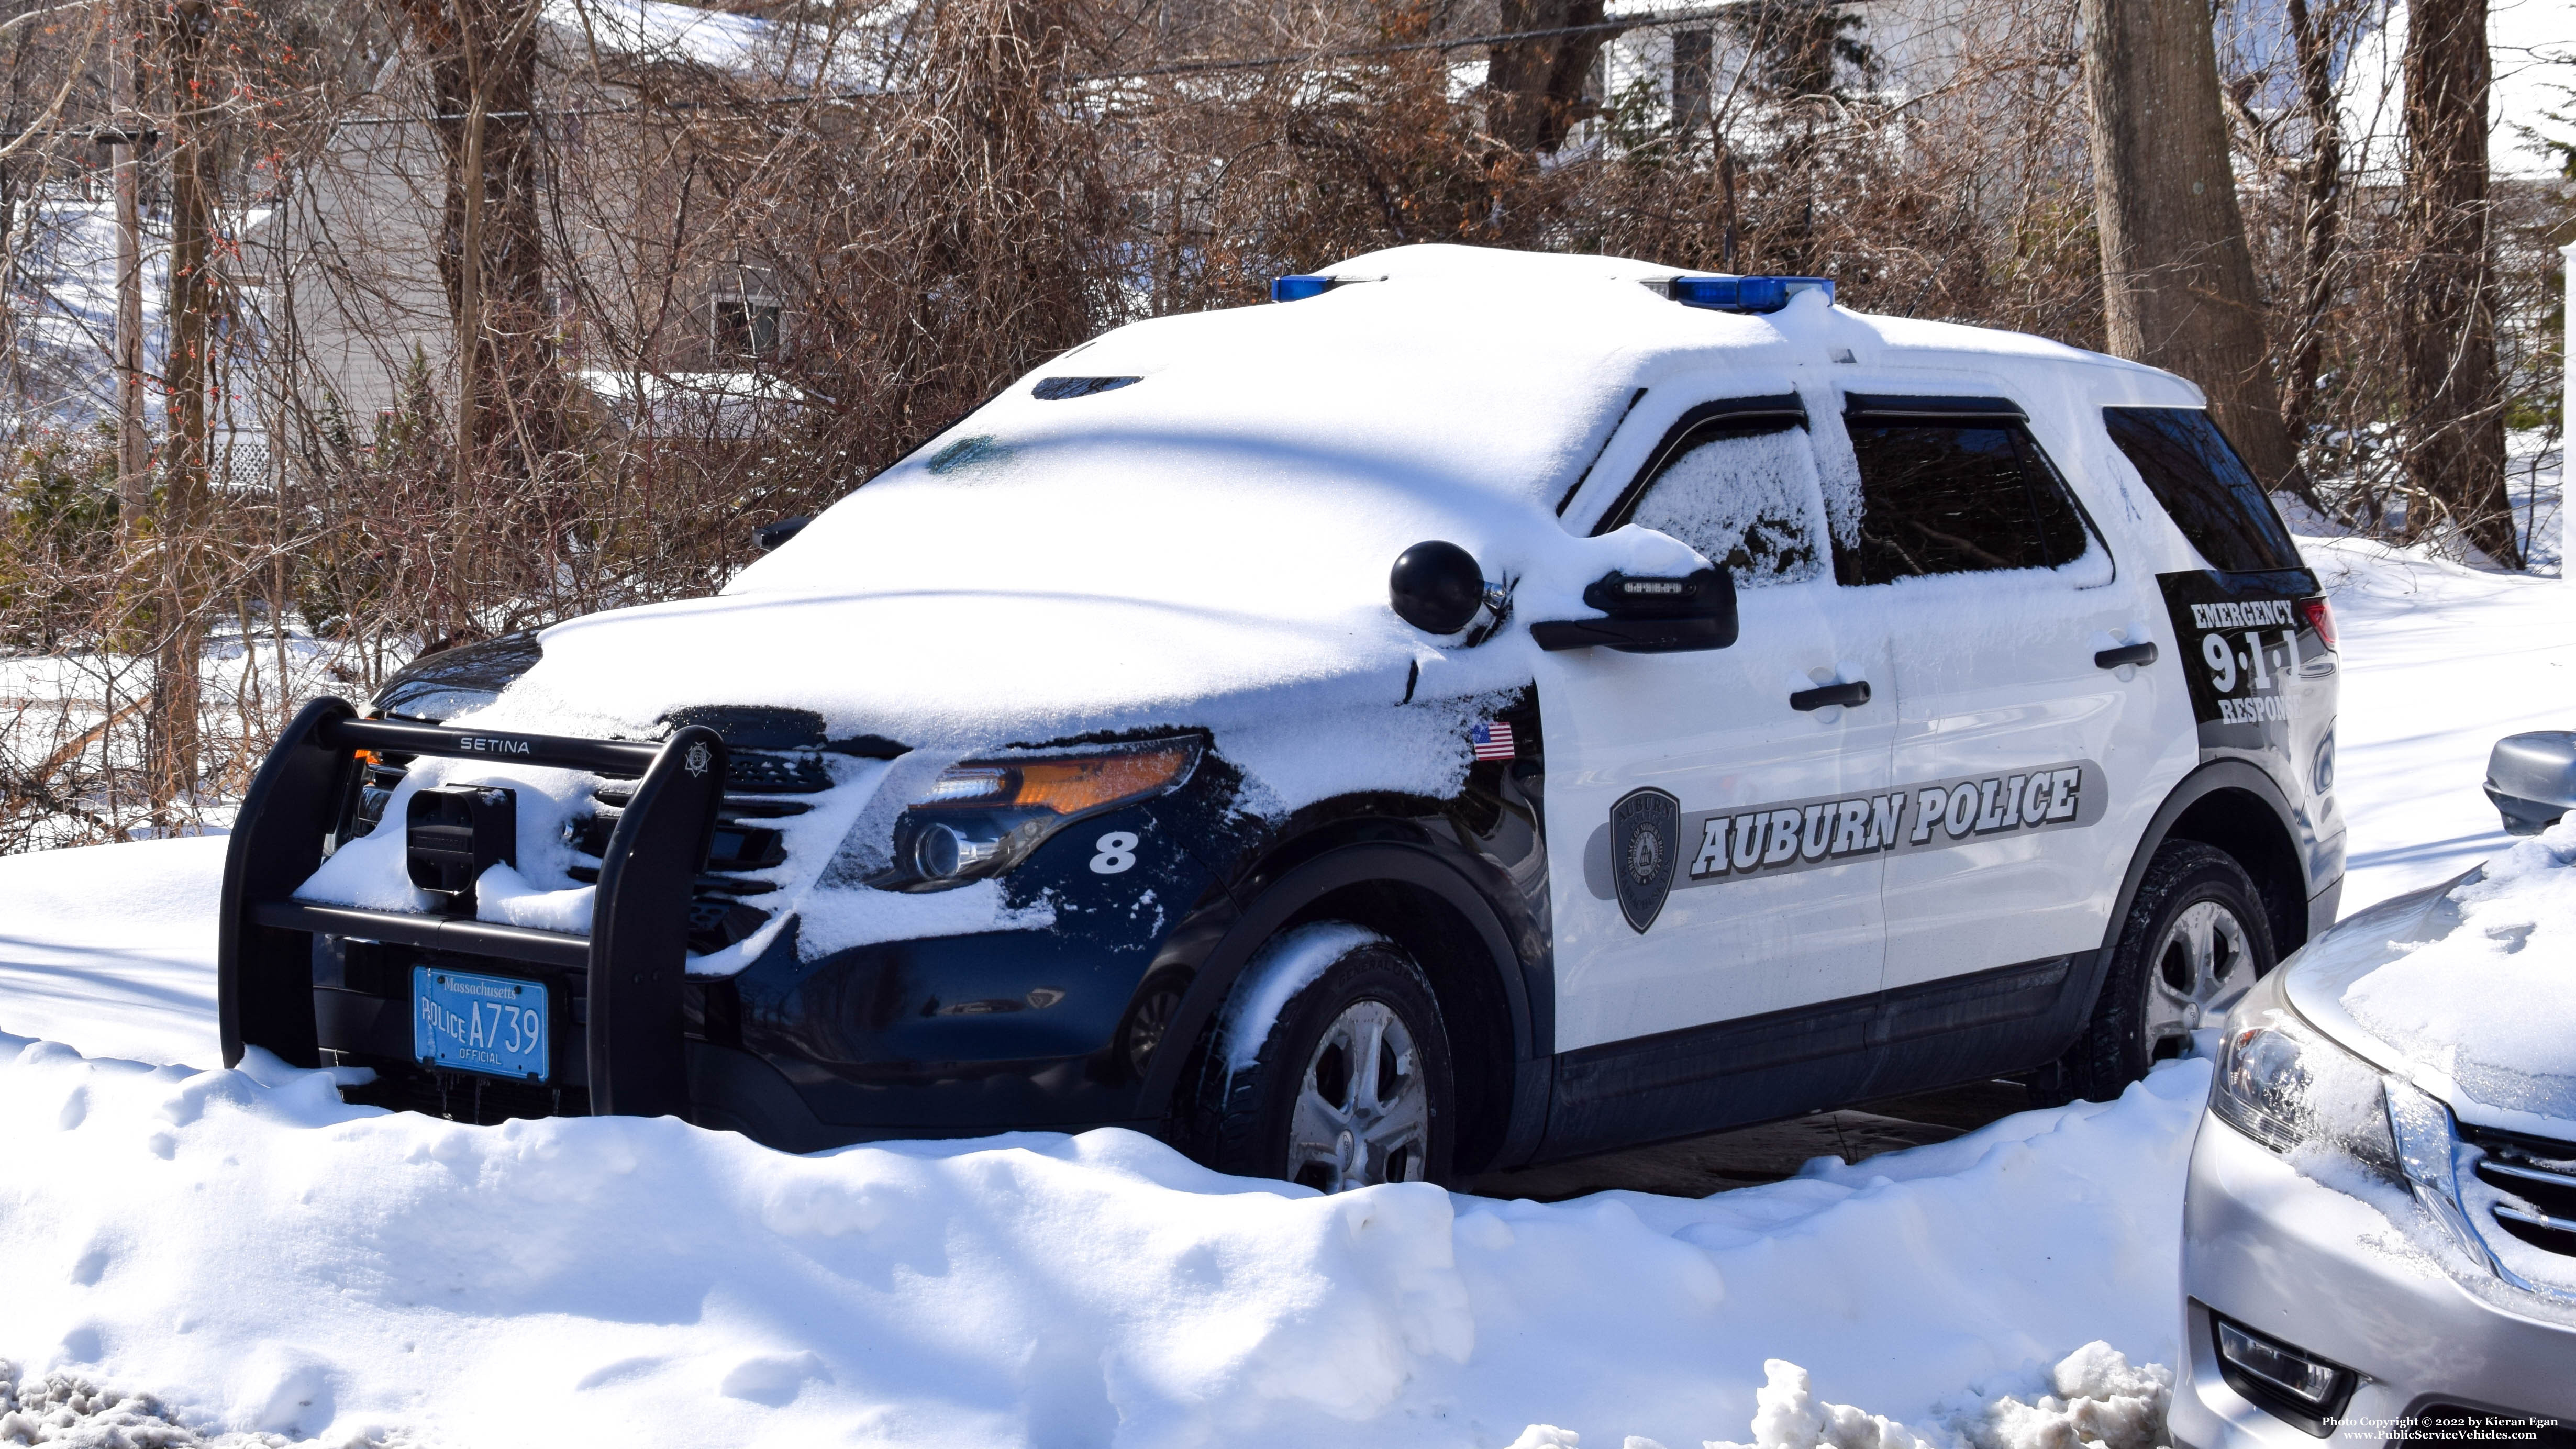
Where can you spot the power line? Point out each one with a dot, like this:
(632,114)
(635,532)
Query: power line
(1646,21)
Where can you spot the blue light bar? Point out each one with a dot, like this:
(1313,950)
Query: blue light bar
(1298,289)
(1745,294)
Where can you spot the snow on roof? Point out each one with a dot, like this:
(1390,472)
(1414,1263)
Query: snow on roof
(732,405)
(64,287)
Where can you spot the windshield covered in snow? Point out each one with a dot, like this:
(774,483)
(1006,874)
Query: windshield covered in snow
(1262,451)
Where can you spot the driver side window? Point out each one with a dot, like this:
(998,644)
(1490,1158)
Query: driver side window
(1746,497)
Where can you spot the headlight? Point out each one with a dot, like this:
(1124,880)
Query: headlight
(2286,1085)
(981,817)
(2283,1083)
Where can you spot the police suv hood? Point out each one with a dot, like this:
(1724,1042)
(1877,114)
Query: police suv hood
(2468,988)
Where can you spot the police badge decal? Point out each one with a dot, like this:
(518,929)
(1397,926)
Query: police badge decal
(1643,829)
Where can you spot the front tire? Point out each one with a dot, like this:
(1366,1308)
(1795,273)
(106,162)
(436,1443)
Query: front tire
(1351,1084)
(2195,938)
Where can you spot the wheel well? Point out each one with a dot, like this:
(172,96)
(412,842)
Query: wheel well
(2245,826)
(1473,1008)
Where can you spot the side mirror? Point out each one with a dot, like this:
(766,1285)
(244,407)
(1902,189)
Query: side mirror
(771,535)
(1437,587)
(2532,779)
(1650,615)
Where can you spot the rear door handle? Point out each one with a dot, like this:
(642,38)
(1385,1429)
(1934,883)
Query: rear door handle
(2125,655)
(1854,693)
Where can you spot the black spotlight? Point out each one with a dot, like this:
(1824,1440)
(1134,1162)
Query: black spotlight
(1436,587)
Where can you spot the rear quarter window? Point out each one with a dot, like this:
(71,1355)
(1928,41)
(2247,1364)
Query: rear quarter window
(2204,487)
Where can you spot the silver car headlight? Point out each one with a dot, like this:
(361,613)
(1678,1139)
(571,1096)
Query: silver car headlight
(2288,1086)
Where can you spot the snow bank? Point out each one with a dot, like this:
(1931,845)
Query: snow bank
(110,949)
(273,1261)
(2439,662)
(2094,1398)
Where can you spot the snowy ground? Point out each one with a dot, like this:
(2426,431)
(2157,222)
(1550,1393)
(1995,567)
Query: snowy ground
(265,1259)
(277,1261)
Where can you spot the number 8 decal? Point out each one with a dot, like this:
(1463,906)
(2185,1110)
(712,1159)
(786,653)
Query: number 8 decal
(1117,852)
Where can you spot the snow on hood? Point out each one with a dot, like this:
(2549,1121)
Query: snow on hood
(2469,987)
(1208,545)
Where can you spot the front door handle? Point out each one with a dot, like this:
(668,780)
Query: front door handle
(1855,693)
(2125,655)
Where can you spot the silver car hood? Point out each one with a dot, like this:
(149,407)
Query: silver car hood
(2461,988)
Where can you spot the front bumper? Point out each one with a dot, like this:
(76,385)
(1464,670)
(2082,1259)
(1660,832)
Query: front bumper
(2327,1273)
(940,1035)
(630,967)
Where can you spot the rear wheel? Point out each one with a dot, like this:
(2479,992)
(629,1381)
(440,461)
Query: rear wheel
(2194,939)
(1350,1084)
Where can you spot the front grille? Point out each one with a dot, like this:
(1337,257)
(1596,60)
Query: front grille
(743,845)
(2536,1181)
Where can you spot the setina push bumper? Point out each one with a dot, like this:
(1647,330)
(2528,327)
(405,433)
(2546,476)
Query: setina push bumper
(486,1001)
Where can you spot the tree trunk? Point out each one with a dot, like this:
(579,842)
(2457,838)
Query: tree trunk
(1538,83)
(483,80)
(2314,36)
(2178,285)
(182,521)
(2454,397)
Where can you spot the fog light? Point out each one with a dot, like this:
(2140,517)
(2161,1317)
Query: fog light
(454,833)
(941,852)
(2313,1383)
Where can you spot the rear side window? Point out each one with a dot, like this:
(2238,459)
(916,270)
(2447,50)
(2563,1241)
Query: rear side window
(1747,499)
(1945,497)
(2206,489)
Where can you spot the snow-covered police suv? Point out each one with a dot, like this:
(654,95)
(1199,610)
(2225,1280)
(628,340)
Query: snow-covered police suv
(1480,708)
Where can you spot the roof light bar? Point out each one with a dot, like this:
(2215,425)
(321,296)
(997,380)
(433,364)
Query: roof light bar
(1745,294)
(1298,289)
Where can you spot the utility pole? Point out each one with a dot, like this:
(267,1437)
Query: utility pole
(133,447)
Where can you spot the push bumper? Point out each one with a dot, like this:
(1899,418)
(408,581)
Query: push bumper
(628,972)
(2319,1270)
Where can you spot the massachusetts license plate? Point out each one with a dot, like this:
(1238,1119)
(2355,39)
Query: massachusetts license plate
(479,1023)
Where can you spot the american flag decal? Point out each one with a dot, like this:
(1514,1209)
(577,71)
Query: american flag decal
(1492,739)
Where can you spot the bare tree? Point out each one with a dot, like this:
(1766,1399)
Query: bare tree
(184,30)
(1538,84)
(482,61)
(2454,435)
(2318,33)
(2177,275)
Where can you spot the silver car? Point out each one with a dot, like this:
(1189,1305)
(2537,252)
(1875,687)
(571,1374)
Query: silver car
(2380,1222)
